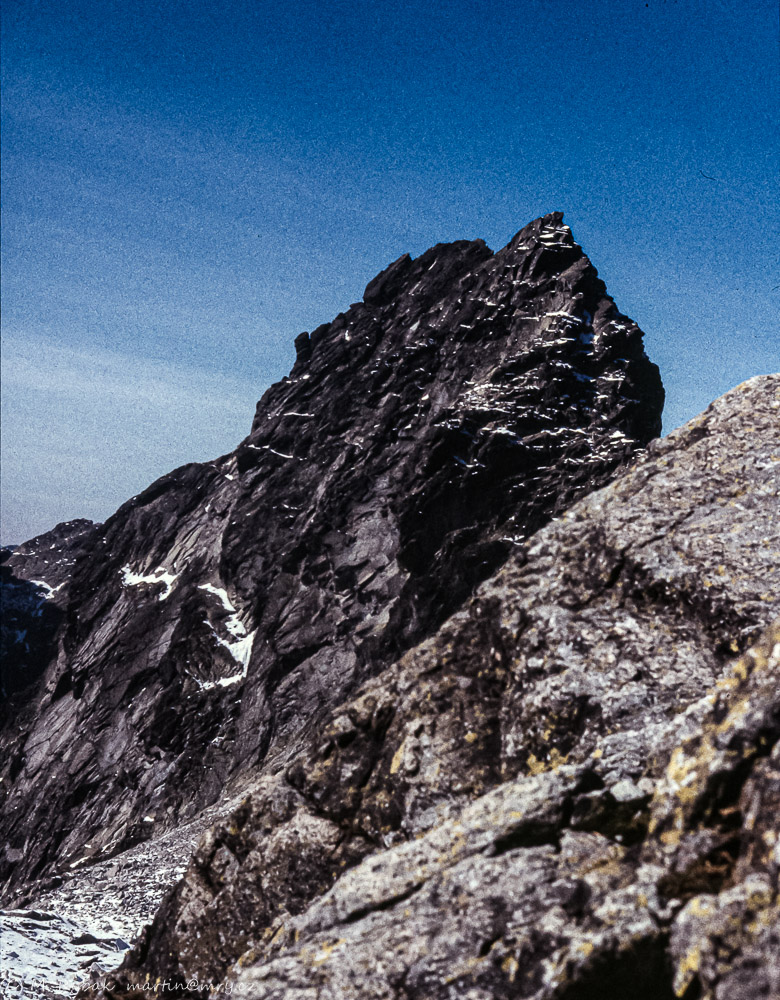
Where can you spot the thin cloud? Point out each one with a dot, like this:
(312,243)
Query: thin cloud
(83,430)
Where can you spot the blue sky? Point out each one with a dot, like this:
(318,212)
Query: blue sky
(187,186)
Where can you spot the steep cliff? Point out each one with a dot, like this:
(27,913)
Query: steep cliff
(218,616)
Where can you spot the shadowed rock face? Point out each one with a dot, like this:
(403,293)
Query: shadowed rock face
(28,625)
(214,619)
(50,558)
(33,592)
(569,791)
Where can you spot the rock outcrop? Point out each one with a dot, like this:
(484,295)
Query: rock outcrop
(569,791)
(219,616)
(49,559)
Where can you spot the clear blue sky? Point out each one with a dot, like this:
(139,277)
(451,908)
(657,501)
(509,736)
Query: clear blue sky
(188,185)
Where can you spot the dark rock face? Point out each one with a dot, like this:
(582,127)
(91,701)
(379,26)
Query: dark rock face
(28,625)
(569,791)
(218,616)
(33,592)
(49,558)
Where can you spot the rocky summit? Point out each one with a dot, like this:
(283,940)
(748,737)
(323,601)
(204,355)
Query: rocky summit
(449,682)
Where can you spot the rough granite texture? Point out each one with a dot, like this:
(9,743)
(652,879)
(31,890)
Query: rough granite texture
(215,617)
(569,791)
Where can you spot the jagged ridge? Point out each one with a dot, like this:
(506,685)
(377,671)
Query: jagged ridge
(421,436)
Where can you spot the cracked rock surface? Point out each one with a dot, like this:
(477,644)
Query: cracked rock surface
(570,790)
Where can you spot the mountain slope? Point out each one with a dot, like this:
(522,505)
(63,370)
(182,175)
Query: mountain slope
(33,578)
(421,436)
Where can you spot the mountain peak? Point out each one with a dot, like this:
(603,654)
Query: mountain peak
(420,438)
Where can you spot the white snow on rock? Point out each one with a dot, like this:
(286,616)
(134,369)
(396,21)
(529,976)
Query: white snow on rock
(50,591)
(239,645)
(221,594)
(160,575)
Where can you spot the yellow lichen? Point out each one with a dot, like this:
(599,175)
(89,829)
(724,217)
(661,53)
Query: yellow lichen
(325,952)
(701,906)
(463,969)
(686,970)
(510,967)
(398,756)
(557,758)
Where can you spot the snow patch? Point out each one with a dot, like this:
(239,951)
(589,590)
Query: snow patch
(267,447)
(239,645)
(220,593)
(50,591)
(160,575)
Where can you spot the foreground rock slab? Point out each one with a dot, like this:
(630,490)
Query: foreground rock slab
(569,791)
(477,909)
